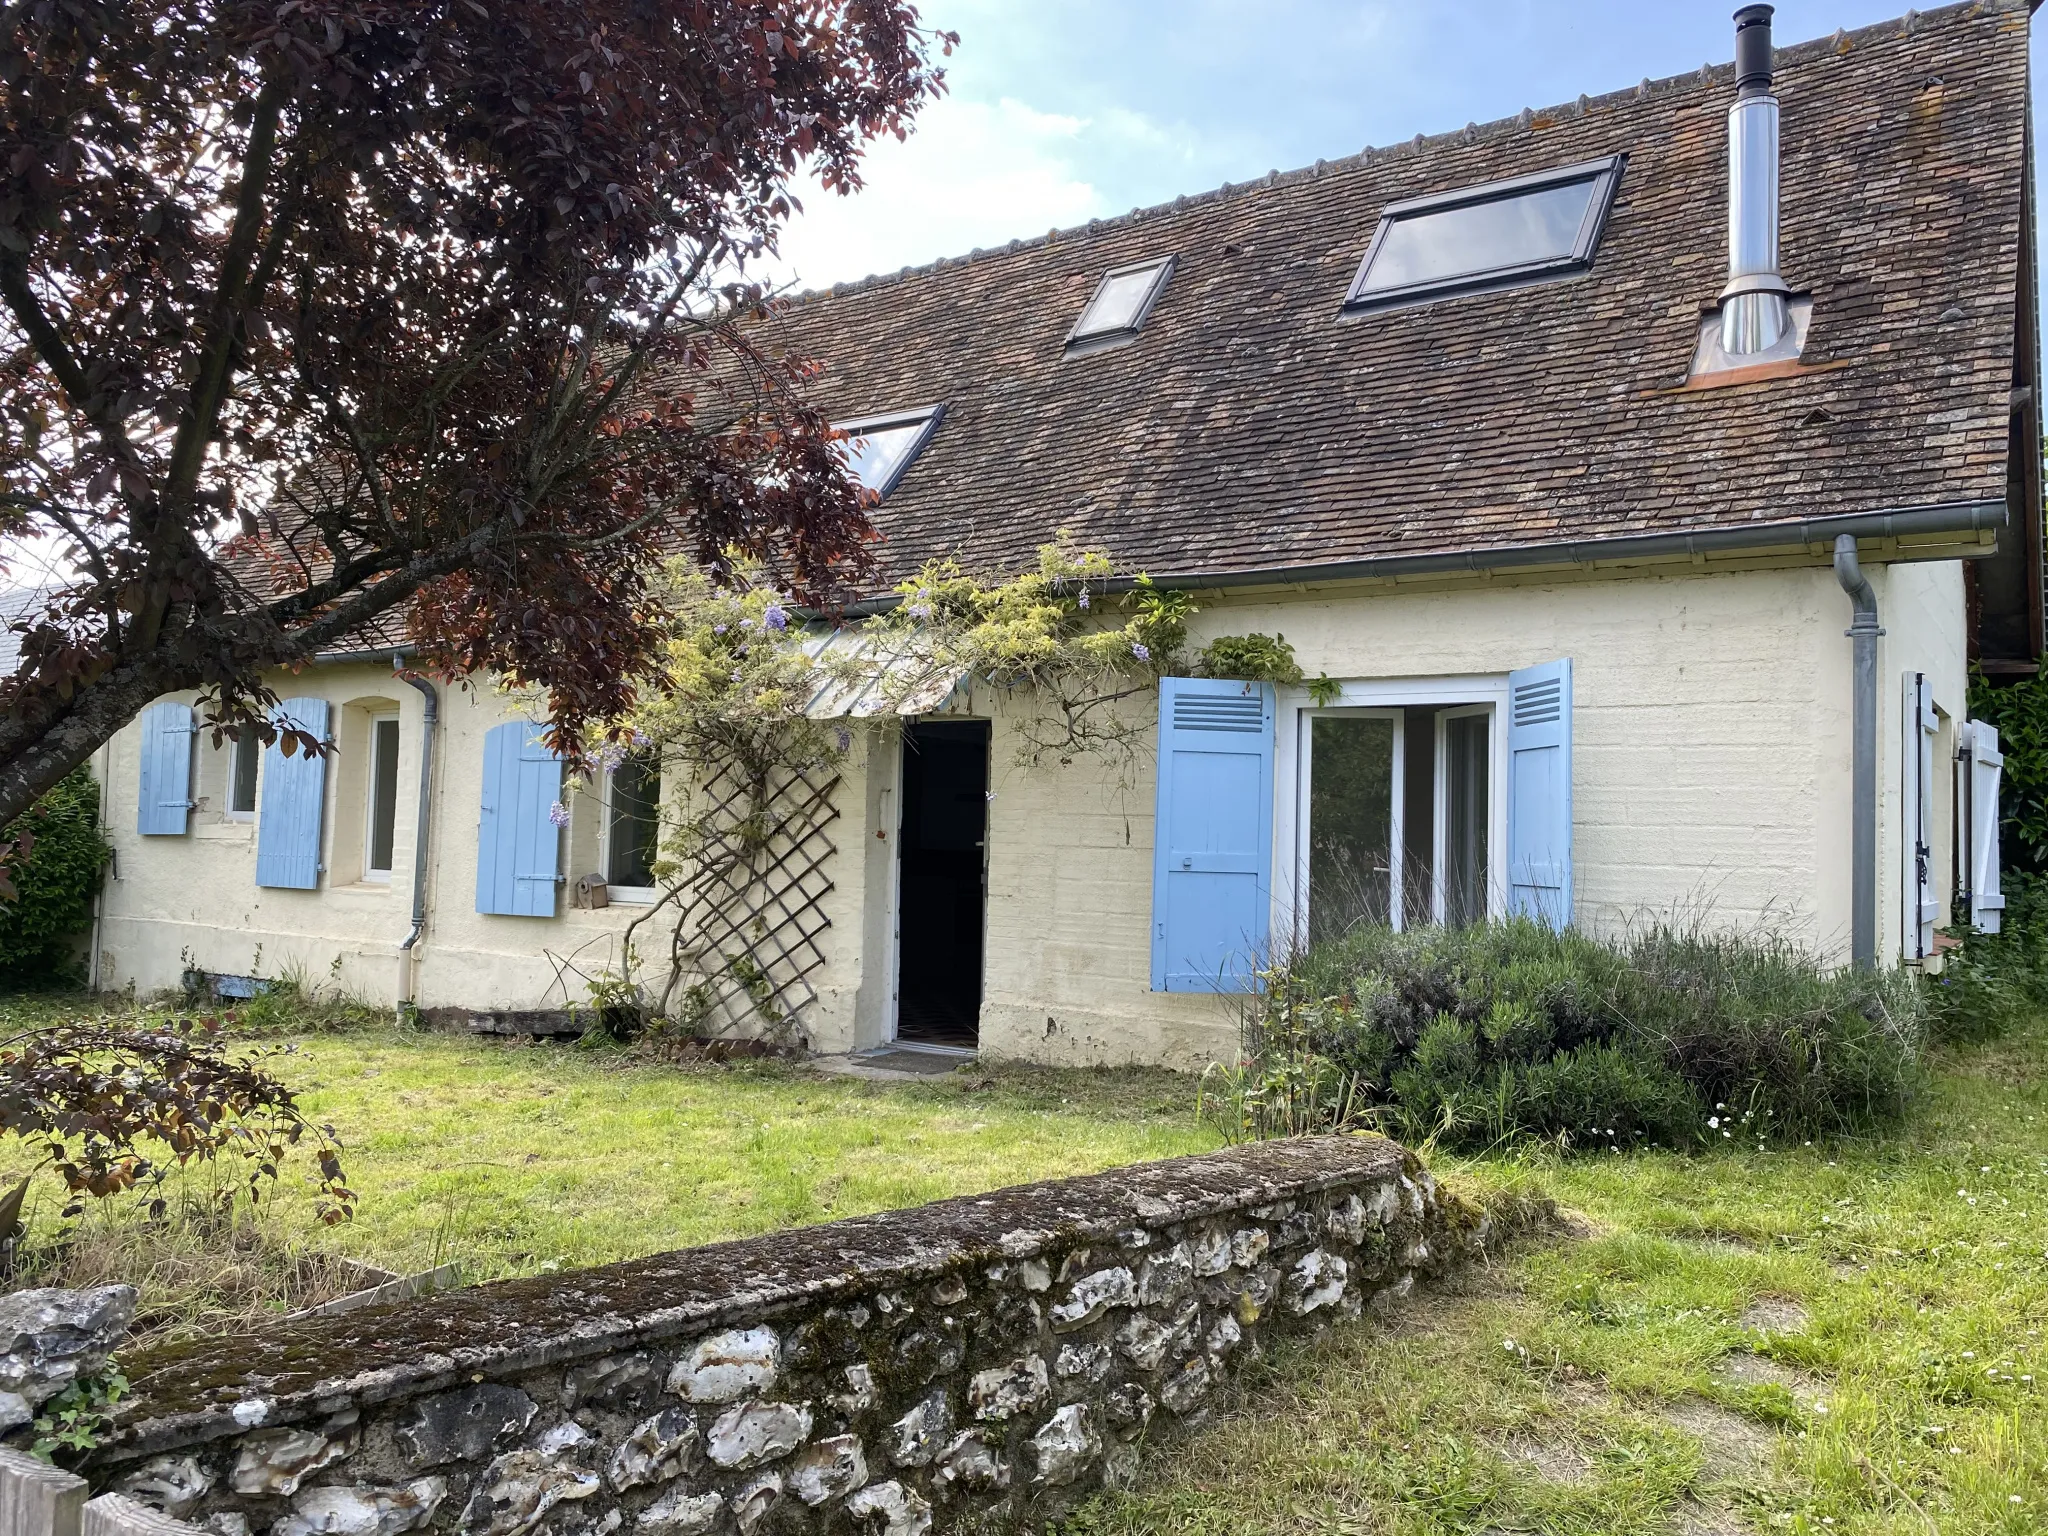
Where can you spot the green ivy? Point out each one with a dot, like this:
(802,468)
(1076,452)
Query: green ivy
(73,1422)
(56,874)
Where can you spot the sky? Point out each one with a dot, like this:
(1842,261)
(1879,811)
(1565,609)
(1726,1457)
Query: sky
(1060,111)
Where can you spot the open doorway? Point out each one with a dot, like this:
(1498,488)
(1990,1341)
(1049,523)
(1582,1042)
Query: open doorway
(942,888)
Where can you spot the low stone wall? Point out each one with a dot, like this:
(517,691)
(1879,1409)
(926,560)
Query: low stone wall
(965,1365)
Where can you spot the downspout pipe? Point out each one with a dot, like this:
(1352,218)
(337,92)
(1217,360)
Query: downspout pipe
(1863,631)
(430,720)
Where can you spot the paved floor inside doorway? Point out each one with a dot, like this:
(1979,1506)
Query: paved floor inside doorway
(893,1064)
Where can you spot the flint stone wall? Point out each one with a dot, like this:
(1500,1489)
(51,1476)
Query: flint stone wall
(972,1364)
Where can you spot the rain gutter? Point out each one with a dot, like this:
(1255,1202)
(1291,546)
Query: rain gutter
(1945,517)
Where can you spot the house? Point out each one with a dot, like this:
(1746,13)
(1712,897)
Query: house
(1647,473)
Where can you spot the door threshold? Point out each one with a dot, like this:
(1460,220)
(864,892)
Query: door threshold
(957,1052)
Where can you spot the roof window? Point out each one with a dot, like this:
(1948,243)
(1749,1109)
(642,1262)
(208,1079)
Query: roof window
(1123,300)
(1506,234)
(878,449)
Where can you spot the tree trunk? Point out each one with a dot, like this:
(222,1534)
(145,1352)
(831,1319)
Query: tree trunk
(36,757)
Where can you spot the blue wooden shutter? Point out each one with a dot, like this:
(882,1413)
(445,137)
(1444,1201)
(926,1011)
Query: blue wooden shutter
(293,801)
(518,845)
(1212,871)
(1540,793)
(164,799)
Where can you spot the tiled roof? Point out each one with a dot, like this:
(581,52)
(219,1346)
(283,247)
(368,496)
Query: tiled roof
(1249,428)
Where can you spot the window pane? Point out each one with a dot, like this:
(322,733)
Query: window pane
(383,793)
(1350,824)
(1116,304)
(248,751)
(1542,225)
(1465,769)
(635,822)
(874,456)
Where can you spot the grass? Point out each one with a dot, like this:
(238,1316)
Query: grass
(1838,1338)
(515,1159)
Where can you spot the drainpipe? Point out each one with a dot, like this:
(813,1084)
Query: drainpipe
(430,717)
(1863,631)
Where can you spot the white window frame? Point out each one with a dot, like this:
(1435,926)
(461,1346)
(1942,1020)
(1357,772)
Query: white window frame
(1304,724)
(236,745)
(1356,695)
(371,874)
(623,895)
(1439,847)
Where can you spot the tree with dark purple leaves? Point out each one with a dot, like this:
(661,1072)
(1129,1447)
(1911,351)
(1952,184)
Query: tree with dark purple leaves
(329,322)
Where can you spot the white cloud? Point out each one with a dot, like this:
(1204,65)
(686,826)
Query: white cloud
(971,174)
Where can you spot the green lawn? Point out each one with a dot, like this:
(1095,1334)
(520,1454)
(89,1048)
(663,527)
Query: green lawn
(515,1159)
(1840,1338)
(1843,1338)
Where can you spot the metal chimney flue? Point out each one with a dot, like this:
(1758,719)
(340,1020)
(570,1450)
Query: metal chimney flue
(1754,315)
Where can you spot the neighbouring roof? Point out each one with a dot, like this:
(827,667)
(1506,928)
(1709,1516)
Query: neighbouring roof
(17,605)
(1247,427)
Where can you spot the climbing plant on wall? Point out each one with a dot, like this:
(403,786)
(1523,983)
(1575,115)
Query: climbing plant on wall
(729,708)
(61,852)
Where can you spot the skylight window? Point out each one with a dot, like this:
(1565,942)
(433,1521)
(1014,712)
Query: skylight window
(1503,235)
(878,449)
(1123,300)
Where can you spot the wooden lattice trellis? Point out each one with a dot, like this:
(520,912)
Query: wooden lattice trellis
(754,911)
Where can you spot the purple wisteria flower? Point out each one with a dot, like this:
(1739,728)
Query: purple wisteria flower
(558,813)
(844,738)
(641,739)
(776,618)
(1140,651)
(610,755)
(718,629)
(1082,597)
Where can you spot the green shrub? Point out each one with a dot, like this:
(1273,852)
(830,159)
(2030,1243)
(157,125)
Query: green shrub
(1991,981)
(56,874)
(2019,708)
(1994,980)
(1672,1035)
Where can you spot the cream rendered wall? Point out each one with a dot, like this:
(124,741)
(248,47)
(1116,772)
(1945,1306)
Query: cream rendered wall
(1711,774)
(172,897)
(1921,608)
(1711,769)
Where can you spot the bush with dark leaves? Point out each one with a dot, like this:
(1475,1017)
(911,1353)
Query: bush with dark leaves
(112,1106)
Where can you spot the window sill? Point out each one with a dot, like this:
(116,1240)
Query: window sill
(633,896)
